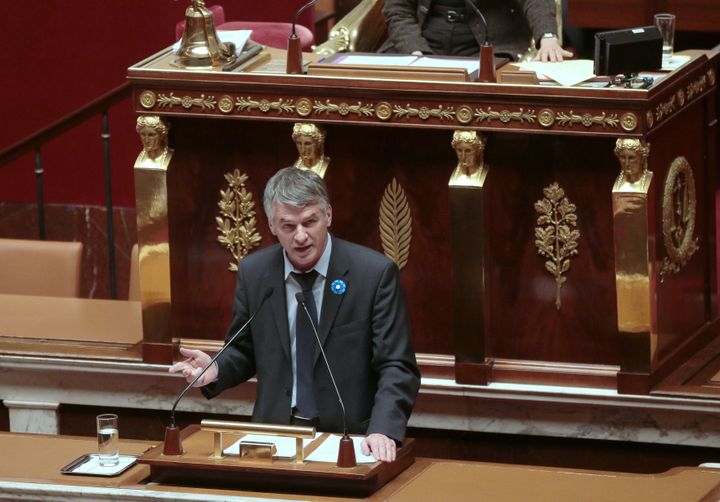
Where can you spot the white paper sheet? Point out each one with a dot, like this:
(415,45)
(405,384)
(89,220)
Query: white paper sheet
(238,37)
(471,64)
(328,451)
(567,73)
(380,60)
(285,446)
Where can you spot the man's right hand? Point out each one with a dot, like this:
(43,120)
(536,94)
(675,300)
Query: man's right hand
(195,361)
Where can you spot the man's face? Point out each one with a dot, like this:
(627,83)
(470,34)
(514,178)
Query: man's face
(302,232)
(307,149)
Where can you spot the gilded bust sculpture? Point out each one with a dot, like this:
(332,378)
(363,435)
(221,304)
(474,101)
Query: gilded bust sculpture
(632,154)
(469,147)
(153,132)
(310,142)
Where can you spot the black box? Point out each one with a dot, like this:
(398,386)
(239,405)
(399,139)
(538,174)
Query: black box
(628,51)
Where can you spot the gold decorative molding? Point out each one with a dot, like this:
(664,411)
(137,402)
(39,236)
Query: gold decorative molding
(649,118)
(666,108)
(424,113)
(343,108)
(226,104)
(587,119)
(464,114)
(505,116)
(555,238)
(236,223)
(383,110)
(395,224)
(681,97)
(678,217)
(147,99)
(629,121)
(546,117)
(187,102)
(695,88)
(711,76)
(280,106)
(303,107)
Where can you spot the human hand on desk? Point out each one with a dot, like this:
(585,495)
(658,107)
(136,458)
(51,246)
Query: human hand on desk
(381,446)
(550,50)
(194,363)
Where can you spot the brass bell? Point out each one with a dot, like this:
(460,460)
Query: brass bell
(200,46)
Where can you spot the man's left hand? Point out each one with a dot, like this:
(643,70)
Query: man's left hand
(381,446)
(550,50)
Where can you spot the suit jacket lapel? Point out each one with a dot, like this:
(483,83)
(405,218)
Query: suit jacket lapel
(337,270)
(274,278)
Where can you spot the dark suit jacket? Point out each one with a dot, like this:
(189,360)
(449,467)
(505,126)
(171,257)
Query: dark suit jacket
(364,333)
(512,24)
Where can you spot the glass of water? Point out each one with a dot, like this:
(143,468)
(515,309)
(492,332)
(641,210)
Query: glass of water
(666,24)
(108,439)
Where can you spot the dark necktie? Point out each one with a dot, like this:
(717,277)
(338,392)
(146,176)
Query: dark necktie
(305,346)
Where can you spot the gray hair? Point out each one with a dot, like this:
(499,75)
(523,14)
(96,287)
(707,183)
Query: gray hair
(295,187)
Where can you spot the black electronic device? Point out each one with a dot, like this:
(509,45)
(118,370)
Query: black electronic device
(628,51)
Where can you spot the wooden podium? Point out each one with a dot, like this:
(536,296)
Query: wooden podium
(198,467)
(494,311)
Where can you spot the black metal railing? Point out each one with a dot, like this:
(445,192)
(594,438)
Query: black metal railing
(36,141)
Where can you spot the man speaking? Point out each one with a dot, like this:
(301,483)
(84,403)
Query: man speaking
(352,301)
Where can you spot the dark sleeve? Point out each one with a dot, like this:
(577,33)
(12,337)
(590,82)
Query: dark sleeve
(403,29)
(237,363)
(393,359)
(540,15)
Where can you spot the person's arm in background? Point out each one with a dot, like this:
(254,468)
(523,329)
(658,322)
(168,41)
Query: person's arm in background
(403,28)
(541,17)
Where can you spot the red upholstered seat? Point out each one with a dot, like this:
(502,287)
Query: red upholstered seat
(263,32)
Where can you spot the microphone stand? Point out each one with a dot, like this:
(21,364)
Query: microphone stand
(294,63)
(173,443)
(346,451)
(487,54)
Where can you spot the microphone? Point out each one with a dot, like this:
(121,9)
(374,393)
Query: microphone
(346,453)
(294,53)
(172,439)
(487,56)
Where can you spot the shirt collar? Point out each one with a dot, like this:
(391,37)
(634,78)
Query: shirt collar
(321,266)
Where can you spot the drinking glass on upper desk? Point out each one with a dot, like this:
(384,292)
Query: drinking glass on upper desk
(666,24)
(108,439)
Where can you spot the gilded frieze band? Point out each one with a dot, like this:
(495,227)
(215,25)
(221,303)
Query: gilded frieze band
(385,111)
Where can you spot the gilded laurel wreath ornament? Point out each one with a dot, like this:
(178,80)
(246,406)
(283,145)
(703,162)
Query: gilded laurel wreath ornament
(555,237)
(678,217)
(236,223)
(395,224)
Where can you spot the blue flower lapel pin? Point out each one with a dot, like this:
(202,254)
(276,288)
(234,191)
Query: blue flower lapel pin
(338,287)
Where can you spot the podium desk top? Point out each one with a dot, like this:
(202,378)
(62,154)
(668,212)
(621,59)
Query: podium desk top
(59,326)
